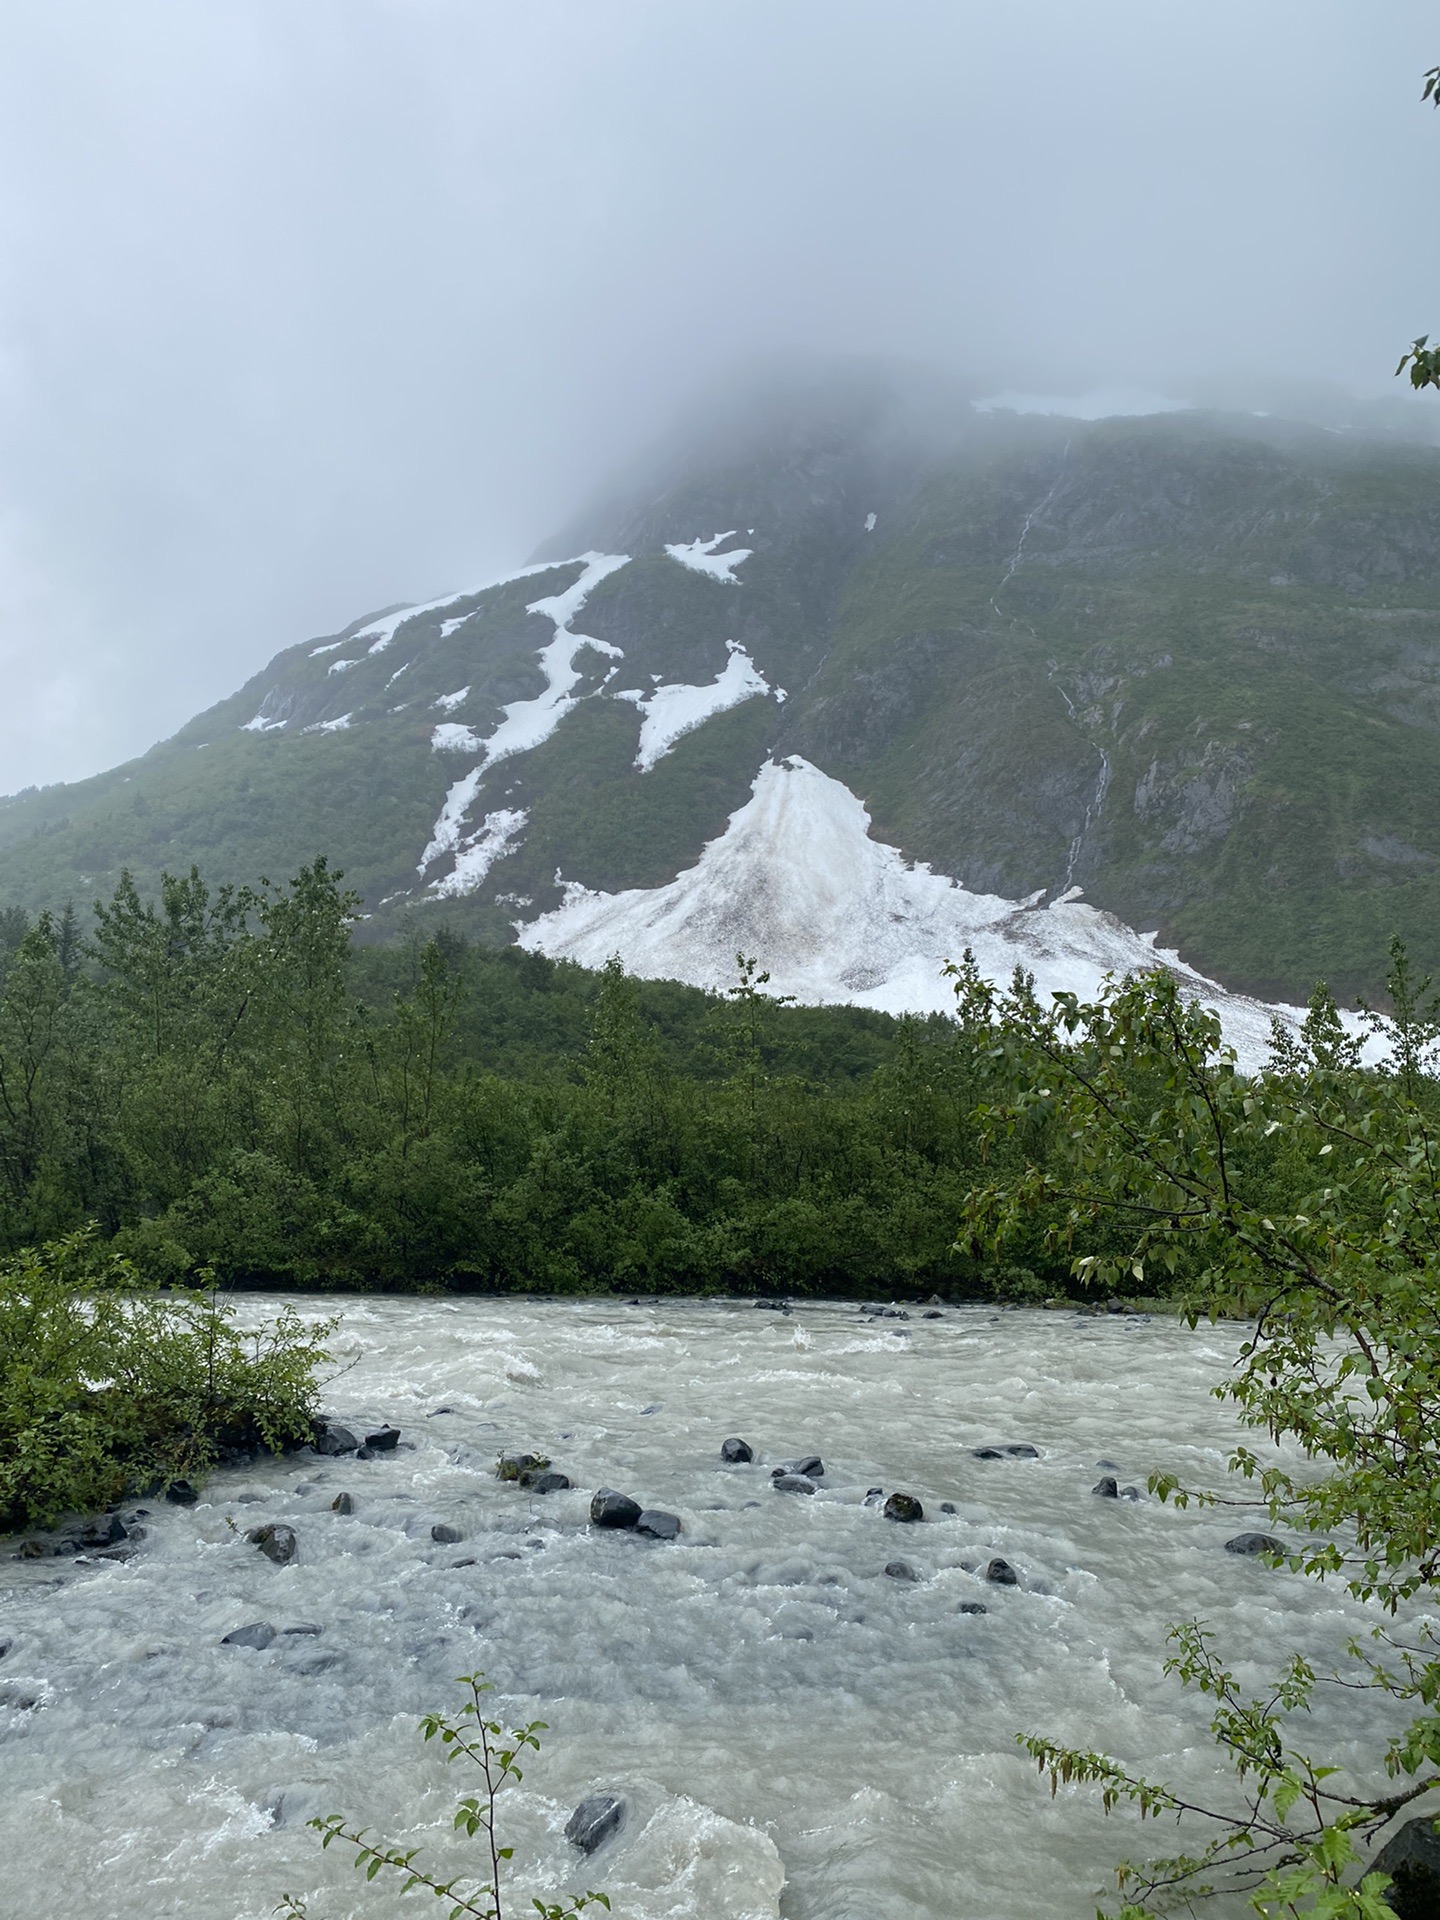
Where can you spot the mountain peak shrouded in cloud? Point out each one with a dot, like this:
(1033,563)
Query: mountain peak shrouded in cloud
(305,309)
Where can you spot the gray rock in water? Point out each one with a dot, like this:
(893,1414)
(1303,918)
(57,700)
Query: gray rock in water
(1254,1543)
(306,1629)
(792,1483)
(1000,1573)
(987,1453)
(444,1535)
(343,1503)
(597,1818)
(276,1541)
(513,1466)
(810,1464)
(364,1453)
(383,1440)
(1022,1450)
(903,1506)
(20,1696)
(5,1645)
(947,1506)
(900,1570)
(736,1452)
(1107,1488)
(105,1533)
(971,1606)
(1131,1493)
(1106,1466)
(874,1495)
(546,1482)
(331,1438)
(611,1509)
(1412,1859)
(658,1525)
(181,1494)
(258,1634)
(932,1313)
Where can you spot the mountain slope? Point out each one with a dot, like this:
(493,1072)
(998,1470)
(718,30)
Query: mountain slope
(1190,664)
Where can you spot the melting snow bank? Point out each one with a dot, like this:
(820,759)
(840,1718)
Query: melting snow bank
(700,556)
(834,915)
(525,723)
(676,709)
(770,1703)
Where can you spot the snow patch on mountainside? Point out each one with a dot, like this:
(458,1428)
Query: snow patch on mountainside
(260,724)
(700,556)
(449,701)
(836,916)
(676,709)
(329,726)
(497,833)
(525,723)
(381,632)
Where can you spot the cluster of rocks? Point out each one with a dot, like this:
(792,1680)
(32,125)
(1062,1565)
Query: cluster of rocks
(111,1537)
(332,1438)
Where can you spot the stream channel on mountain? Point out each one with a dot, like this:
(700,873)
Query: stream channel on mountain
(796,1732)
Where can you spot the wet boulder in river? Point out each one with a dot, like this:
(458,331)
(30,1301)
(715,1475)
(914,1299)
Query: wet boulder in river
(1108,1488)
(181,1493)
(657,1525)
(383,1440)
(1412,1859)
(611,1509)
(444,1535)
(810,1464)
(343,1503)
(595,1820)
(736,1452)
(546,1482)
(792,1483)
(258,1634)
(1000,1573)
(1253,1544)
(277,1542)
(903,1506)
(332,1438)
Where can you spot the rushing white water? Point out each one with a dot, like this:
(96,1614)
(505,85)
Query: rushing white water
(797,1733)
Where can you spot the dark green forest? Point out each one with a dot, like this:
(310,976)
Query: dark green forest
(221,1079)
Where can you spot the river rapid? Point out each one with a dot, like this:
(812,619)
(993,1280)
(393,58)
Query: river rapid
(796,1733)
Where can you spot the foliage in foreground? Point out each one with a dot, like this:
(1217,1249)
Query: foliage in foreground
(495,1750)
(1169,1143)
(108,1386)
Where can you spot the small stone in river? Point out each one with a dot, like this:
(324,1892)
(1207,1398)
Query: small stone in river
(654,1407)
(987,1453)
(1253,1543)
(276,1542)
(1022,1450)
(5,1646)
(306,1628)
(444,1535)
(332,1438)
(903,1506)
(658,1525)
(435,1412)
(1131,1493)
(594,1821)
(873,1496)
(364,1453)
(258,1634)
(947,1506)
(810,1464)
(1000,1573)
(736,1451)
(972,1606)
(1106,1466)
(343,1503)
(1107,1488)
(933,1313)
(383,1440)
(546,1482)
(900,1570)
(181,1493)
(792,1483)
(611,1509)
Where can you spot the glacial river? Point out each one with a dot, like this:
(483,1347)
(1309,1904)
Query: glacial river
(796,1732)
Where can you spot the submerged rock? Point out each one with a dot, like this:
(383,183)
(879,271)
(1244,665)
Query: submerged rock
(444,1535)
(810,1464)
(658,1525)
(792,1483)
(972,1606)
(546,1482)
(595,1820)
(258,1634)
(276,1541)
(1412,1859)
(1000,1573)
(343,1503)
(736,1452)
(903,1506)
(1254,1543)
(611,1509)
(900,1570)
(105,1533)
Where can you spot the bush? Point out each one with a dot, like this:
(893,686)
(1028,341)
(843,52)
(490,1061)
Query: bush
(107,1385)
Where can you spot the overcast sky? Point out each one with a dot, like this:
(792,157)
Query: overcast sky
(309,308)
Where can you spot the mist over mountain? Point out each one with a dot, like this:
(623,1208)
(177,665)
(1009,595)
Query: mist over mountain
(856,677)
